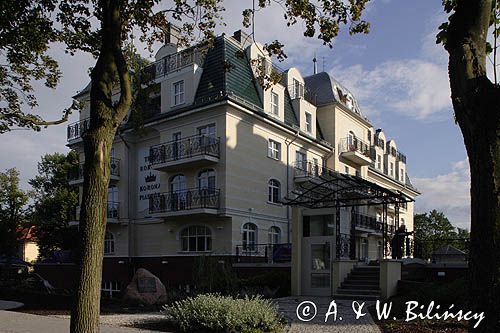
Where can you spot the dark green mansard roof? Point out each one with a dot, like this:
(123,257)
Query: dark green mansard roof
(227,74)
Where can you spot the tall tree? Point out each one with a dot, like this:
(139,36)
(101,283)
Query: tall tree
(433,230)
(117,19)
(12,212)
(54,203)
(476,102)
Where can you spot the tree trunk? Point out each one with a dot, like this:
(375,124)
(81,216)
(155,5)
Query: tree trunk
(105,117)
(476,102)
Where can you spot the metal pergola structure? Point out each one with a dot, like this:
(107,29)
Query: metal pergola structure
(332,189)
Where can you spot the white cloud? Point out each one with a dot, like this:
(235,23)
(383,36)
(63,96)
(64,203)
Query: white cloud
(417,88)
(449,193)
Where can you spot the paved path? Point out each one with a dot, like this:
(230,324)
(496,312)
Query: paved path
(17,322)
(288,307)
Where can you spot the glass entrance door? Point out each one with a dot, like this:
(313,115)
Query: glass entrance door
(316,265)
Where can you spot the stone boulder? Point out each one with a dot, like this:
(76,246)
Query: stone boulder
(145,288)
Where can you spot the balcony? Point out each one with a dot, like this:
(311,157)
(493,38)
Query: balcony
(75,130)
(298,90)
(355,150)
(264,253)
(370,224)
(175,62)
(75,174)
(198,150)
(112,213)
(305,170)
(193,201)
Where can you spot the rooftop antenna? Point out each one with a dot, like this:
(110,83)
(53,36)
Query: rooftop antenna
(315,66)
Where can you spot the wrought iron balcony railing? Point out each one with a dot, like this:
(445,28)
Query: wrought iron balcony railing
(174,62)
(75,130)
(353,144)
(299,90)
(113,211)
(310,169)
(194,198)
(370,222)
(269,253)
(76,172)
(184,148)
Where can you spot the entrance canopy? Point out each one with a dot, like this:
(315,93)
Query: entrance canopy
(331,189)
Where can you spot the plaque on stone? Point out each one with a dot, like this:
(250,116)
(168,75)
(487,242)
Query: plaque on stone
(146,285)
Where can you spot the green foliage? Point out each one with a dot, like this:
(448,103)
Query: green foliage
(12,210)
(213,275)
(433,230)
(54,204)
(216,313)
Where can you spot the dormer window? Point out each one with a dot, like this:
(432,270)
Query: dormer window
(178,91)
(274,103)
(308,122)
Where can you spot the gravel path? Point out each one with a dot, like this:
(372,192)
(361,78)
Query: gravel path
(288,307)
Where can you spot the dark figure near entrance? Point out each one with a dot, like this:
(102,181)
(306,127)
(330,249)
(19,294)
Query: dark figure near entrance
(398,242)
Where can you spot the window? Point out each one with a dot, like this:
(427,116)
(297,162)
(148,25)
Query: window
(178,92)
(196,239)
(274,103)
(315,167)
(208,130)
(300,160)
(108,288)
(274,150)
(109,243)
(207,135)
(249,237)
(308,122)
(369,136)
(274,191)
(346,170)
(379,162)
(178,191)
(358,172)
(206,180)
(402,175)
(113,205)
(296,89)
(178,183)
(176,138)
(274,235)
(392,169)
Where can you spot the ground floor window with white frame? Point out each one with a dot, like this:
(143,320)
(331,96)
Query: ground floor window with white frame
(274,235)
(109,243)
(249,237)
(110,288)
(196,239)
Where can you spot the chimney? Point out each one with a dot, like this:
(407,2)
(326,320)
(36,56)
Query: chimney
(242,37)
(172,34)
(315,65)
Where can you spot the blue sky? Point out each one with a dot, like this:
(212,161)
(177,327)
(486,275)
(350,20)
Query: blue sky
(396,72)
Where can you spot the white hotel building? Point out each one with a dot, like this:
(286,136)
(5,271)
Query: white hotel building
(217,156)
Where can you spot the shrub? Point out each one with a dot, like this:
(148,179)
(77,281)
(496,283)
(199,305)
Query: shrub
(271,284)
(216,313)
(213,275)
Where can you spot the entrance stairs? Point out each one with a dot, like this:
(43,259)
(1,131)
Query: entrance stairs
(362,283)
